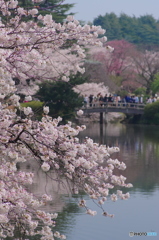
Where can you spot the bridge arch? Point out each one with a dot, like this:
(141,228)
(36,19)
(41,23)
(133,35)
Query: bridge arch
(127,108)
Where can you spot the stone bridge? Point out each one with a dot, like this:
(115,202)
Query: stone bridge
(127,108)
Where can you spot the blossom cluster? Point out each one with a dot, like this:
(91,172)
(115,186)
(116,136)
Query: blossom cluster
(91,88)
(29,51)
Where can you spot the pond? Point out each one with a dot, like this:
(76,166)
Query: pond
(139,149)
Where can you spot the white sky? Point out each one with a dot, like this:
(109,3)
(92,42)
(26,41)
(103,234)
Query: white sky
(87,10)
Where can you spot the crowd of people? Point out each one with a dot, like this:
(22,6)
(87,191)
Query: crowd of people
(92,100)
(101,100)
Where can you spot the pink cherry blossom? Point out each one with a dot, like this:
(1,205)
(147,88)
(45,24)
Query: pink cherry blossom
(29,51)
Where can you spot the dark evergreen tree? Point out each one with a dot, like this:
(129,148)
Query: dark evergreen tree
(109,22)
(128,25)
(61,97)
(56,8)
(143,31)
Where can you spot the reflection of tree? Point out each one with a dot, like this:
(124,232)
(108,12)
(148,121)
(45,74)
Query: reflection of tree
(47,183)
(139,149)
(63,203)
(67,217)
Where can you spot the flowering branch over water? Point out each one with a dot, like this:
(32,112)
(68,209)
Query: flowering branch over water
(28,50)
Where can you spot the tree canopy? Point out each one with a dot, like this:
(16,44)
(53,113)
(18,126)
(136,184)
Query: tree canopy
(143,30)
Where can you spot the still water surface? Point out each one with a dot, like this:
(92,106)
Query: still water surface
(139,149)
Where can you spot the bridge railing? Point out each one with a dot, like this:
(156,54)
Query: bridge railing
(115,105)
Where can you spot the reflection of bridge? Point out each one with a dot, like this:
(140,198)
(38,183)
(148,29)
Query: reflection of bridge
(127,108)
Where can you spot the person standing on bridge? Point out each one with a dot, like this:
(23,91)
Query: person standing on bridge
(85,101)
(90,100)
(136,99)
(149,100)
(101,99)
(105,99)
(110,98)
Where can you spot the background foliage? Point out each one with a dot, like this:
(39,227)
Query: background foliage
(151,113)
(143,30)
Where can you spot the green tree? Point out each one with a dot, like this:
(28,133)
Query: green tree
(151,113)
(155,84)
(61,97)
(128,26)
(110,22)
(140,91)
(143,31)
(56,8)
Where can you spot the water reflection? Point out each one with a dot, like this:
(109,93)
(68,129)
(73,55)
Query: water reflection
(139,149)
(46,182)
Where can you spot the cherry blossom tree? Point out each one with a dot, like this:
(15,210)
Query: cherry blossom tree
(95,73)
(114,60)
(118,64)
(146,65)
(44,50)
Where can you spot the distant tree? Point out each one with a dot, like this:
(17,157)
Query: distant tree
(155,84)
(142,31)
(140,91)
(128,27)
(96,73)
(146,66)
(110,22)
(117,65)
(147,31)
